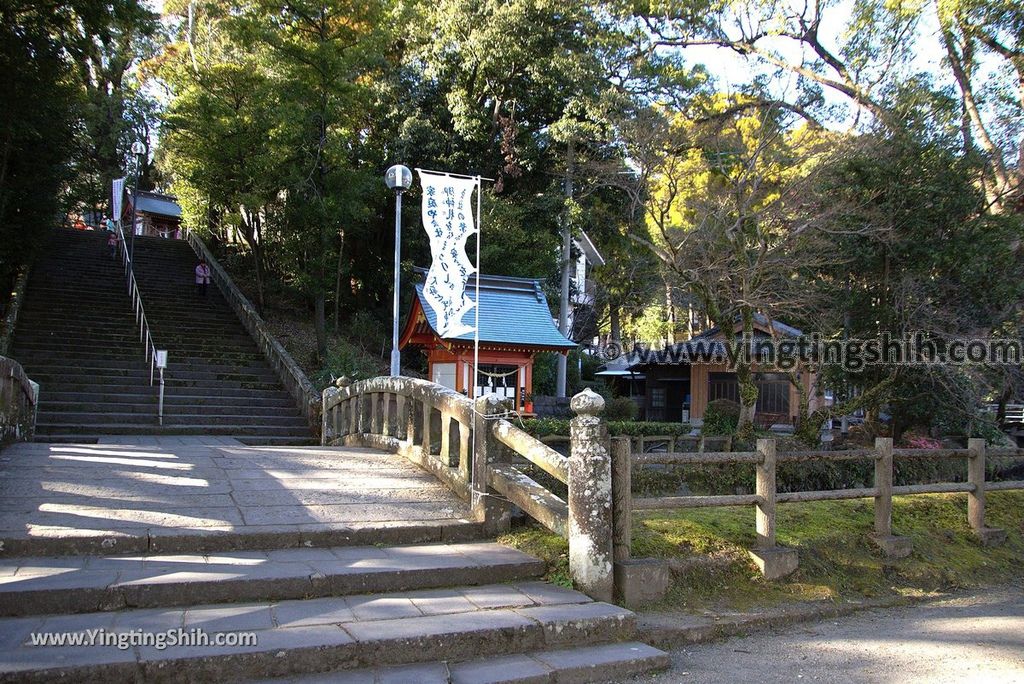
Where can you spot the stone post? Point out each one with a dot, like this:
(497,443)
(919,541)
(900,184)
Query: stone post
(891,545)
(590,499)
(342,412)
(773,561)
(425,432)
(374,413)
(327,430)
(989,536)
(496,513)
(385,411)
(400,419)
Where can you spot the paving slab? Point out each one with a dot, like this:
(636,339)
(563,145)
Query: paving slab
(82,584)
(192,493)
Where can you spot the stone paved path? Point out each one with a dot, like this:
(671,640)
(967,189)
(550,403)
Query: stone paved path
(123,490)
(977,636)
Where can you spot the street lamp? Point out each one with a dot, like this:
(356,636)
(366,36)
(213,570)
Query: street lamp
(138,149)
(399,179)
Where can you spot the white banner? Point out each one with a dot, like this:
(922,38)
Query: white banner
(117,196)
(448,220)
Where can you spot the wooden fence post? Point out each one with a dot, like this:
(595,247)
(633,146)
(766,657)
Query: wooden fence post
(891,545)
(989,536)
(590,499)
(494,512)
(622,498)
(773,561)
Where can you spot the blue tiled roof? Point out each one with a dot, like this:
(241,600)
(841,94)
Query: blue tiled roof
(161,205)
(708,344)
(512,311)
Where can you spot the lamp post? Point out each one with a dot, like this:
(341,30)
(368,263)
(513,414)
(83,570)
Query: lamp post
(138,149)
(399,179)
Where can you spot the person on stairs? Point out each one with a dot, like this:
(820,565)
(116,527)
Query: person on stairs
(112,241)
(202,276)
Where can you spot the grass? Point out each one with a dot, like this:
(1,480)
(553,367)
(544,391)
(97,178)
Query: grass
(712,571)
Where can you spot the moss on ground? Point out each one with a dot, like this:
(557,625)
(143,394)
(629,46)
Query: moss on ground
(707,548)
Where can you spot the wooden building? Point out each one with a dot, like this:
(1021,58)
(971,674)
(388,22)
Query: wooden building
(515,324)
(680,380)
(157,215)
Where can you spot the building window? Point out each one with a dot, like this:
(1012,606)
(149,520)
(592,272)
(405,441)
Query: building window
(772,391)
(658,398)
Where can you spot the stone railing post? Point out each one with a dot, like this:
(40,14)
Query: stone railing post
(773,561)
(495,513)
(328,432)
(989,536)
(891,545)
(590,499)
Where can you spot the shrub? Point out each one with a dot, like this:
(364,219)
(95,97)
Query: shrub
(542,427)
(721,417)
(622,408)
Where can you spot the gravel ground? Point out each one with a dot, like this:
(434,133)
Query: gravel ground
(972,637)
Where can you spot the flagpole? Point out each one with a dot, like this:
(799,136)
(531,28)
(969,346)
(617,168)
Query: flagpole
(476,322)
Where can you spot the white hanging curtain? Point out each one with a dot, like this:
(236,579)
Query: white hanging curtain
(448,220)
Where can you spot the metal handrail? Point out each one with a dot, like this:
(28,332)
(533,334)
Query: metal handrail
(145,336)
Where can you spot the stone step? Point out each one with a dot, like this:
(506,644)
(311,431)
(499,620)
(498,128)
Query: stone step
(173,416)
(221,398)
(85,584)
(211,406)
(317,635)
(197,372)
(69,429)
(614,662)
(86,384)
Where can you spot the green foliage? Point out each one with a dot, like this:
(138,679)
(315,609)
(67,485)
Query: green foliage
(621,409)
(721,417)
(712,570)
(542,427)
(550,548)
(345,358)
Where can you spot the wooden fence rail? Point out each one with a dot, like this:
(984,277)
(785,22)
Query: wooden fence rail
(471,447)
(773,560)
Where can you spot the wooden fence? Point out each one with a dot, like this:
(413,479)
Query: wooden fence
(478,453)
(773,560)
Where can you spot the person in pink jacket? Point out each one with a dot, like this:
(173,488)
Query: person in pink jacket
(202,276)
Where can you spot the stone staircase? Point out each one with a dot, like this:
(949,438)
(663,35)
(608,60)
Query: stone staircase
(457,612)
(76,336)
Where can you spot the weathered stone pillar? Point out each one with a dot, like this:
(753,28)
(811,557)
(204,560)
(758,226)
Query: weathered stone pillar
(328,432)
(425,432)
(495,513)
(342,412)
(989,536)
(590,499)
(401,422)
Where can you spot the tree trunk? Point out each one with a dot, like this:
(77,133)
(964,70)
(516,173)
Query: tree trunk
(337,281)
(615,322)
(745,381)
(321,326)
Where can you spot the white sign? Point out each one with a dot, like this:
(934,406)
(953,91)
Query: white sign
(448,220)
(117,197)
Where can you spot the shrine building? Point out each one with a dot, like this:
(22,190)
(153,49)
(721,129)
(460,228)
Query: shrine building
(515,324)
